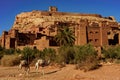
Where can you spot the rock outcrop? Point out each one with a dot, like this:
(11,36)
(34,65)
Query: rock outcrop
(24,21)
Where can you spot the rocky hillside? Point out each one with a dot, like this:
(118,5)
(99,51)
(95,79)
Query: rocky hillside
(27,20)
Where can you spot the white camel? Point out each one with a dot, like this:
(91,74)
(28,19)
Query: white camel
(42,63)
(39,63)
(24,64)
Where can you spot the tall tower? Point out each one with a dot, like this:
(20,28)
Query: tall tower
(53,9)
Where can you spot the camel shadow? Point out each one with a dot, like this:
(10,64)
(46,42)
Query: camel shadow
(51,72)
(46,73)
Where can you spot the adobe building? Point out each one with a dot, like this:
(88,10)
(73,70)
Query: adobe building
(38,28)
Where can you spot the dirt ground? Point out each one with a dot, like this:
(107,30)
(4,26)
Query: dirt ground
(106,72)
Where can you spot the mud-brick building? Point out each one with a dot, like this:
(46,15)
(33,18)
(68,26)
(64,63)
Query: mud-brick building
(38,28)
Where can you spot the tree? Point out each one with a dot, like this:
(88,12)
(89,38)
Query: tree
(28,54)
(65,36)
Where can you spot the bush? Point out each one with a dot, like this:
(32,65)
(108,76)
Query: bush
(4,51)
(10,60)
(9,51)
(90,63)
(82,52)
(111,53)
(28,54)
(1,48)
(117,51)
(66,55)
(18,51)
(86,57)
(49,54)
(1,54)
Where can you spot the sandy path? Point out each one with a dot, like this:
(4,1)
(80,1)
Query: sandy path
(106,72)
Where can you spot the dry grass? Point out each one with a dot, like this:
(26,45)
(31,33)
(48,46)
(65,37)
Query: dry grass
(10,60)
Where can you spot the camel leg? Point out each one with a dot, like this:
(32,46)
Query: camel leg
(43,71)
(37,67)
(27,70)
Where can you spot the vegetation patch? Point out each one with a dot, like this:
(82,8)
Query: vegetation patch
(10,60)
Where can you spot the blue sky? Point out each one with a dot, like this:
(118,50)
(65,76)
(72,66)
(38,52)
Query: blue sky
(10,8)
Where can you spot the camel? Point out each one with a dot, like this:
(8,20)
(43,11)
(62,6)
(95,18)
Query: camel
(24,64)
(42,63)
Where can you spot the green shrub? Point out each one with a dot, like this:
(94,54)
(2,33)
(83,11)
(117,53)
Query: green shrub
(18,51)
(90,63)
(66,55)
(117,50)
(28,54)
(46,54)
(1,48)
(1,54)
(9,51)
(111,53)
(10,60)
(86,57)
(82,52)
(49,54)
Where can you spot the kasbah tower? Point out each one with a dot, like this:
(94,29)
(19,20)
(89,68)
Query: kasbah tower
(38,29)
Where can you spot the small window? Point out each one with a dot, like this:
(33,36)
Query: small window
(91,32)
(108,33)
(96,40)
(40,29)
(90,40)
(43,31)
(96,32)
(50,14)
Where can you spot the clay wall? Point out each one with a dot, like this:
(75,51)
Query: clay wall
(77,14)
(13,33)
(104,35)
(46,13)
(80,34)
(93,34)
(41,43)
(7,42)
(3,38)
(113,24)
